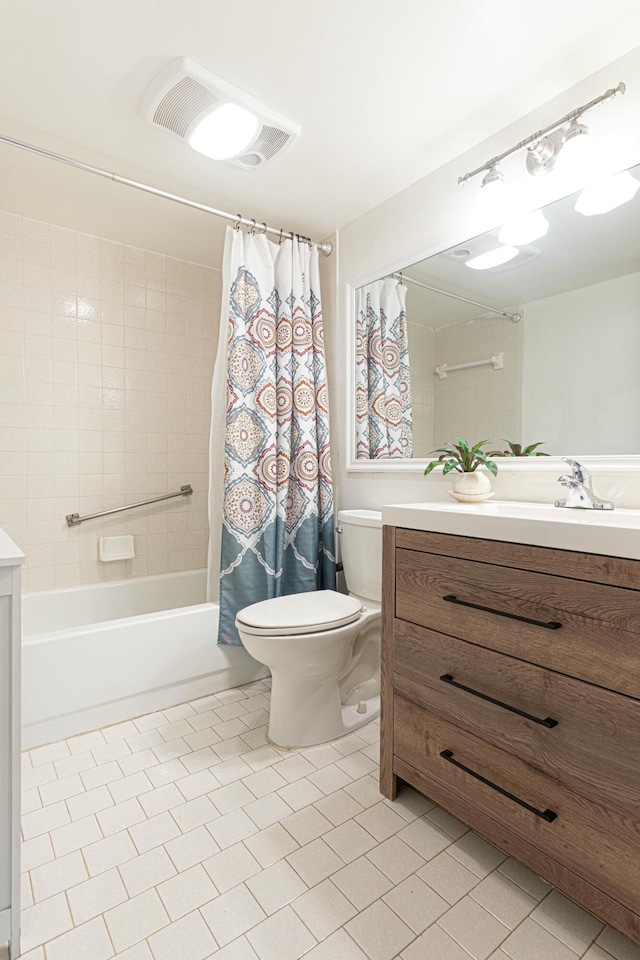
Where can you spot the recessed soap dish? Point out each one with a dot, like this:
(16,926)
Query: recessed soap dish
(116,548)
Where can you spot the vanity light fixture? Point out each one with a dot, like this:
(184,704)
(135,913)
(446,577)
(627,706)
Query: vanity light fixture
(543,153)
(491,203)
(577,146)
(542,145)
(492,258)
(544,148)
(524,229)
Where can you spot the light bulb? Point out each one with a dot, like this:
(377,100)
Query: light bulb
(491,203)
(225,132)
(524,229)
(577,150)
(493,258)
(606,195)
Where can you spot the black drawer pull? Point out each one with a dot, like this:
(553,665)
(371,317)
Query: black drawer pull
(548,815)
(552,625)
(547,722)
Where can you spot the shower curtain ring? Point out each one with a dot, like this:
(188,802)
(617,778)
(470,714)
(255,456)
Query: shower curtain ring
(264,228)
(280,239)
(252,231)
(236,225)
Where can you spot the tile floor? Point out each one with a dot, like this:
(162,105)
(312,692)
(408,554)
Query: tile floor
(183,835)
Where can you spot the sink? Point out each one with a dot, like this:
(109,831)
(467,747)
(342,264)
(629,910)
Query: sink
(614,533)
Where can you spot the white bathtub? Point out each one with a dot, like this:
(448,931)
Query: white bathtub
(107,652)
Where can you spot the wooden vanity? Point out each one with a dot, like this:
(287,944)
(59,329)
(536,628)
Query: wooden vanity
(511,697)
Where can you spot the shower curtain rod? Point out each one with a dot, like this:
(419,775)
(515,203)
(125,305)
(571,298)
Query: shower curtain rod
(515,317)
(326,248)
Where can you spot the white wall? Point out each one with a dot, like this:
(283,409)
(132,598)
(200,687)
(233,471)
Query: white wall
(425,218)
(581,352)
(41,189)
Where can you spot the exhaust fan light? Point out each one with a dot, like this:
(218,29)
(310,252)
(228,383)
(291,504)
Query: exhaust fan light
(225,132)
(216,118)
(493,258)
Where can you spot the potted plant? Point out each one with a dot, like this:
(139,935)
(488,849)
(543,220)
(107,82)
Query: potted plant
(460,457)
(518,450)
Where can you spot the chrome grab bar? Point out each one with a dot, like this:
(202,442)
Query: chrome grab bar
(74,519)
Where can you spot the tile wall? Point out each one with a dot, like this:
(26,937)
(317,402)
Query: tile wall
(106,356)
(479,402)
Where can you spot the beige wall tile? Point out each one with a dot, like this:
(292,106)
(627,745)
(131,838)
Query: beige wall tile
(106,358)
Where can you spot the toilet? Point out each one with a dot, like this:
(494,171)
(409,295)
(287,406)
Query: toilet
(323,648)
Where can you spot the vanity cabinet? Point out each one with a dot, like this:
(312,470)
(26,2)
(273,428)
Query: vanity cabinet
(511,697)
(10,559)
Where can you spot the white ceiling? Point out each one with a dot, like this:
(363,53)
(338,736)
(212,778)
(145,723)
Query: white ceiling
(384,92)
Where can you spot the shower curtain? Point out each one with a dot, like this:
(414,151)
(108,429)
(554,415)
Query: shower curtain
(270,496)
(383,383)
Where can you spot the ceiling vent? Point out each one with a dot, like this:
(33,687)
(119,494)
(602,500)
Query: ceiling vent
(186,99)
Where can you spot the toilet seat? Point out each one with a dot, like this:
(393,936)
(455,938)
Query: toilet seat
(300,613)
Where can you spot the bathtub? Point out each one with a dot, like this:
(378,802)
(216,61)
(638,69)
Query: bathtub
(107,652)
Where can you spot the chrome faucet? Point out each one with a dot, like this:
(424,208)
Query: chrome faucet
(580,489)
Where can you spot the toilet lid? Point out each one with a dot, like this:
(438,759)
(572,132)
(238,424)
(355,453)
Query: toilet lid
(300,613)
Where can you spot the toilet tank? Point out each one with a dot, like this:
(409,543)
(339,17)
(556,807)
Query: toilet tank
(361,546)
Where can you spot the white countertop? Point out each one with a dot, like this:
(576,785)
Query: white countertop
(614,533)
(10,554)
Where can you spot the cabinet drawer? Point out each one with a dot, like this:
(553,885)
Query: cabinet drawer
(585,736)
(592,567)
(587,630)
(602,845)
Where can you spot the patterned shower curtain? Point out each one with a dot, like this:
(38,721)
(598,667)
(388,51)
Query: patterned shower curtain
(270,430)
(383,383)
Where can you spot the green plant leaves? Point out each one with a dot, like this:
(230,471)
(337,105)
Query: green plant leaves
(491,466)
(531,451)
(463,457)
(517,450)
(477,446)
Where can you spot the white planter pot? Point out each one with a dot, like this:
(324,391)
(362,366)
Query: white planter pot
(471,487)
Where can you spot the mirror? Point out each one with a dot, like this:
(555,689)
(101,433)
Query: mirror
(542,348)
